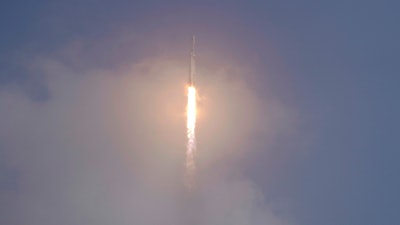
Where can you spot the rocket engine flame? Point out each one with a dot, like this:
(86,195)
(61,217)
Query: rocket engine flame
(191,123)
(191,137)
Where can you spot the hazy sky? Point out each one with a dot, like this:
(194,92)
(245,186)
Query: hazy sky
(298,112)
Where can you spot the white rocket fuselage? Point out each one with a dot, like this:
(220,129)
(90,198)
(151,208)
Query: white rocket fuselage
(192,71)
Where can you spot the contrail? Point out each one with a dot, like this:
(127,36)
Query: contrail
(191,124)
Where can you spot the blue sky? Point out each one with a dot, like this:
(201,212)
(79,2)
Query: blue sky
(330,66)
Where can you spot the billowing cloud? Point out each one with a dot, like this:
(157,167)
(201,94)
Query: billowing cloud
(107,147)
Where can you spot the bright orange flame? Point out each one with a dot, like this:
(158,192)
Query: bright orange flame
(191,142)
(191,109)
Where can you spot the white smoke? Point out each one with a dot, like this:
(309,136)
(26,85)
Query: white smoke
(108,147)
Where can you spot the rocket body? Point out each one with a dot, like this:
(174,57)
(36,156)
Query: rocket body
(190,178)
(192,71)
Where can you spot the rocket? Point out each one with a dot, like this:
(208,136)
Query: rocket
(192,70)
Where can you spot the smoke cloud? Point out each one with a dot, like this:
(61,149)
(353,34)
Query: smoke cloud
(107,146)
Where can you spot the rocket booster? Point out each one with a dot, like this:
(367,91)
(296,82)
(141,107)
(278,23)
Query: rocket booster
(192,70)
